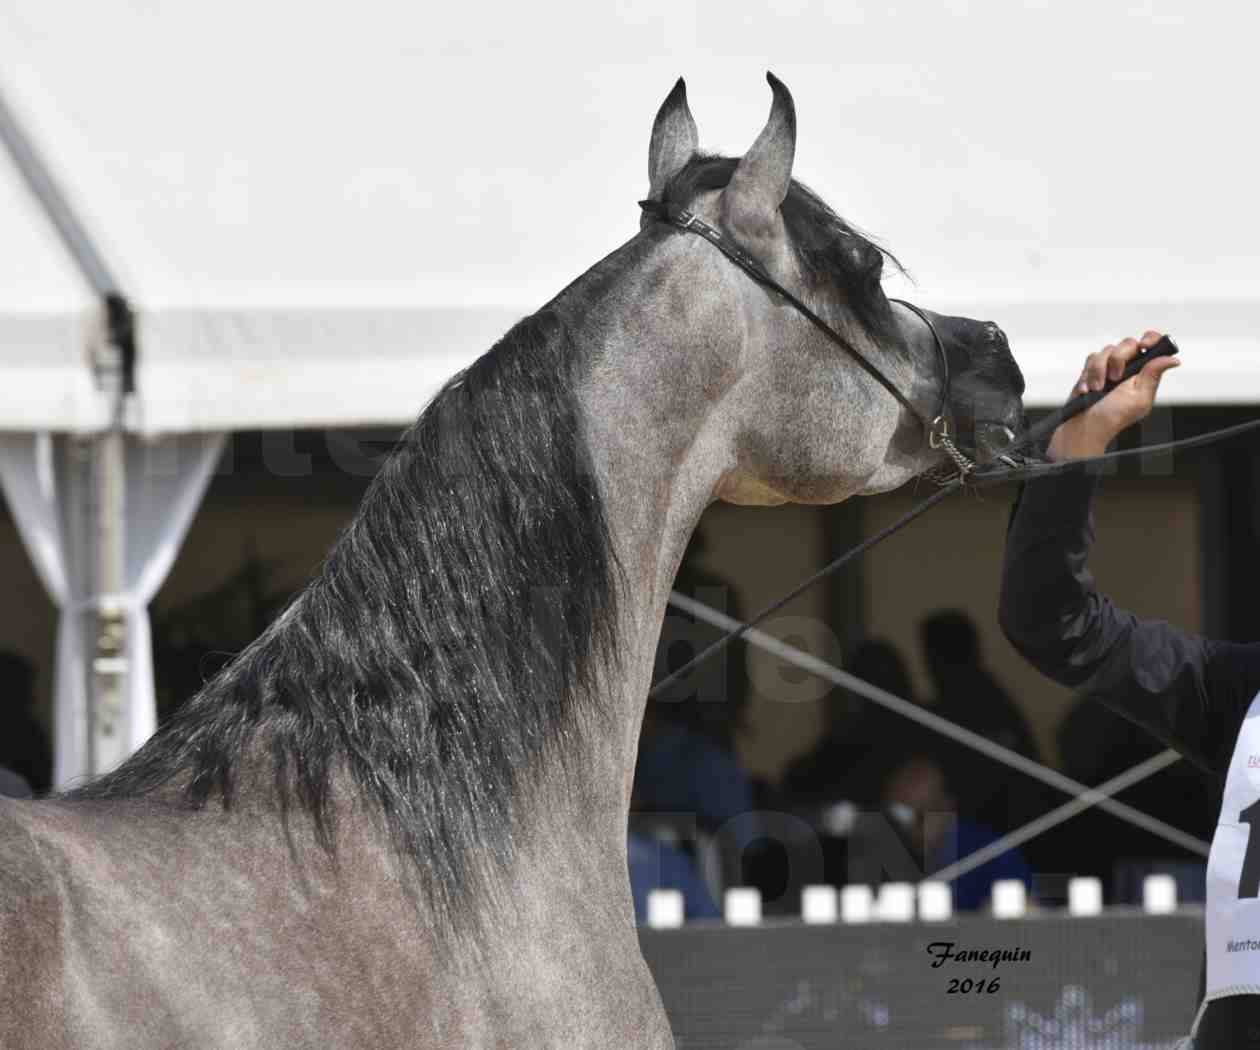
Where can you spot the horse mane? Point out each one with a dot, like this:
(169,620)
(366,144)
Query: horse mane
(439,654)
(831,252)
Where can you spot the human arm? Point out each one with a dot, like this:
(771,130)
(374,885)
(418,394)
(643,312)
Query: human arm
(1188,691)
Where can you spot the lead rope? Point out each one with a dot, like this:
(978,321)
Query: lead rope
(1044,427)
(804,585)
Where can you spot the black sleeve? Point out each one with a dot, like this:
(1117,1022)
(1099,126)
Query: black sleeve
(1189,691)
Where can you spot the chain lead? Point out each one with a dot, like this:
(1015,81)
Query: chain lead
(939,438)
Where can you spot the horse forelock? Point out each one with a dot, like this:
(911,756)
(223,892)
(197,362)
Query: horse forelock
(449,643)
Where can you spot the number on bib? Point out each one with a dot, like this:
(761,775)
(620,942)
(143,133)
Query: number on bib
(1249,883)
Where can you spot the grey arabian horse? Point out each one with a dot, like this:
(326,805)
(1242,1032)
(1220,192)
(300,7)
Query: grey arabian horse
(398,819)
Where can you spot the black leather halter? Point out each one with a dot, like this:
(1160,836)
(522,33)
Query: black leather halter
(936,428)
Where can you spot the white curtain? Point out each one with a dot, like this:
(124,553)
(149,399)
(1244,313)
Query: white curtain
(44,486)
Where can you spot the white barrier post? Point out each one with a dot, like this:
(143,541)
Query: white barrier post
(895,902)
(1085,896)
(857,904)
(1159,894)
(743,906)
(1010,899)
(936,901)
(820,905)
(665,909)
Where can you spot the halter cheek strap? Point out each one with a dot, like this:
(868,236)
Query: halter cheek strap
(936,427)
(939,436)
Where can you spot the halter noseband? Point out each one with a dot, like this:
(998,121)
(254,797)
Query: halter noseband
(938,431)
(936,428)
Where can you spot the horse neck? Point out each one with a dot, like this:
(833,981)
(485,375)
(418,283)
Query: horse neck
(659,459)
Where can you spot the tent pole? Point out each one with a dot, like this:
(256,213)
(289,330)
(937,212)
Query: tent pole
(114,364)
(41,183)
(107,709)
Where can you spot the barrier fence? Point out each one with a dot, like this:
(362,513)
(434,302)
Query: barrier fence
(1118,981)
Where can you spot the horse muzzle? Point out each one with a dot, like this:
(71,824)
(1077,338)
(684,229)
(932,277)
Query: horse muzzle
(994,442)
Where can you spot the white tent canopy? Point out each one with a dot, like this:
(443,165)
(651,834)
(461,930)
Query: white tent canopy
(319,213)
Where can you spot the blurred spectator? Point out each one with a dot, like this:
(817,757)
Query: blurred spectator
(966,692)
(917,789)
(861,740)
(681,770)
(23,745)
(989,792)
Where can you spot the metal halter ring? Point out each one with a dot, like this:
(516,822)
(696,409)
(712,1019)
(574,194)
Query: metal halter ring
(938,438)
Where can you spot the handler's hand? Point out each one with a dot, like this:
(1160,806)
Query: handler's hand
(1091,432)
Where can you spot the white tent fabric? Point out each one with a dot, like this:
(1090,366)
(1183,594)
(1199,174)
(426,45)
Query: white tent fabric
(321,211)
(33,477)
(165,483)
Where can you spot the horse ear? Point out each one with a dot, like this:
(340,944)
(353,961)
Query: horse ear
(674,140)
(750,203)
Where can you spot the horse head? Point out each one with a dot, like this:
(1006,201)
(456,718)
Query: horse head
(804,421)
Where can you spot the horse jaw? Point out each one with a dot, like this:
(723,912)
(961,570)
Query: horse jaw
(746,491)
(907,458)
(889,477)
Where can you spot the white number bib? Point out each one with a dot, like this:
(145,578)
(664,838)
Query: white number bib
(1233,873)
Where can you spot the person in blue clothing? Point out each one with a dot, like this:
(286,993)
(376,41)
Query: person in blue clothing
(681,770)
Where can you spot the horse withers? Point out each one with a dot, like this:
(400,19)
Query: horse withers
(398,819)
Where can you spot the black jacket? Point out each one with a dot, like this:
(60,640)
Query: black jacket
(1189,691)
